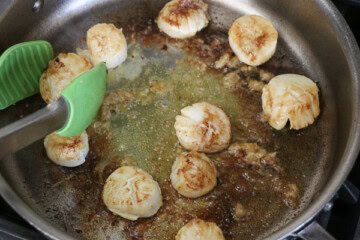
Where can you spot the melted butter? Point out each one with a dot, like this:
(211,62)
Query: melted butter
(142,134)
(144,129)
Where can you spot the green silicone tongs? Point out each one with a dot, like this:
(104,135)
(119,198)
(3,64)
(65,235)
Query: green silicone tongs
(21,67)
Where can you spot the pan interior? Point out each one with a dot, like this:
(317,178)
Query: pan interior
(54,192)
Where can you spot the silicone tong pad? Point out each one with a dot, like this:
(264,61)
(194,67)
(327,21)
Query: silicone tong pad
(84,96)
(21,67)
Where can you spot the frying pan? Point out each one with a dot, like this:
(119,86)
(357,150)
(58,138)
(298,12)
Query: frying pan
(312,33)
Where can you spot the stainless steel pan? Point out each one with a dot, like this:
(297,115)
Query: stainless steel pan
(312,32)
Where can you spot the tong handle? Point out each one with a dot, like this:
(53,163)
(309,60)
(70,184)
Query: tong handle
(23,132)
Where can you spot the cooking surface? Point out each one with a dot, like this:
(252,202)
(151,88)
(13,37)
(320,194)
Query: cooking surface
(56,177)
(135,127)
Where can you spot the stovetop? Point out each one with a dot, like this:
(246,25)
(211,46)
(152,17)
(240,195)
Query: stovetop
(340,217)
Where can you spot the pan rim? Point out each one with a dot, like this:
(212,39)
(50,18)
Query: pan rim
(351,50)
(35,220)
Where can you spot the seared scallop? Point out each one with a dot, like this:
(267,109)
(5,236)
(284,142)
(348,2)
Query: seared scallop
(106,44)
(67,151)
(203,127)
(132,193)
(253,39)
(193,175)
(60,72)
(197,229)
(291,97)
(183,18)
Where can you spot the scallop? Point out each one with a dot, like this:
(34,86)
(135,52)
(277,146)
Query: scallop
(132,193)
(183,18)
(253,39)
(203,127)
(193,175)
(106,44)
(67,151)
(291,97)
(197,229)
(60,72)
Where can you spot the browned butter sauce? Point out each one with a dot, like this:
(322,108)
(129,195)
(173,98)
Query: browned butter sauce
(136,127)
